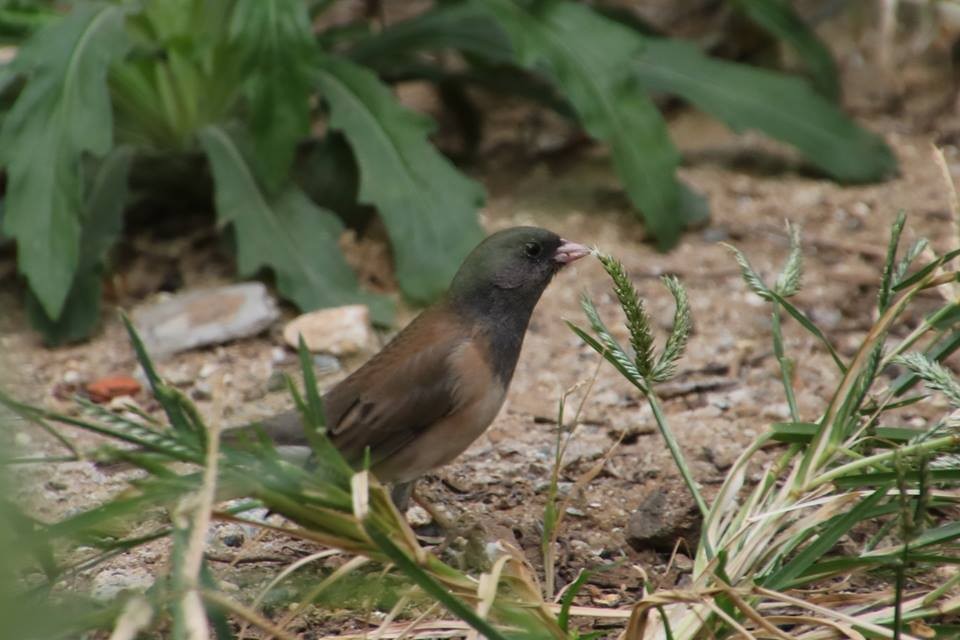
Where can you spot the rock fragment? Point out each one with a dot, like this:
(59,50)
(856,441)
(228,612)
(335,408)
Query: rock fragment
(204,317)
(661,520)
(339,331)
(106,389)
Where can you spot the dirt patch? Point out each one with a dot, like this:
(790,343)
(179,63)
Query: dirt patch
(726,392)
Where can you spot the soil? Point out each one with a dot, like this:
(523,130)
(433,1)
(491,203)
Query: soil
(727,390)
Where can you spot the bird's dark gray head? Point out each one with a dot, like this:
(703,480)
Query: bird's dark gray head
(508,271)
(515,262)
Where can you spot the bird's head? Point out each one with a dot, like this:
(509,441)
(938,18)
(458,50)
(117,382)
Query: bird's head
(515,264)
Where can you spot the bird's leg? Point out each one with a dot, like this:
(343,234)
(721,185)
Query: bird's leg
(400,493)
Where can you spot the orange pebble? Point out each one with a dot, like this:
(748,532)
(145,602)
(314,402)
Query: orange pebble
(106,389)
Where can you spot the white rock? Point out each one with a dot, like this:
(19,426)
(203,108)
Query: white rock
(417,516)
(208,369)
(338,331)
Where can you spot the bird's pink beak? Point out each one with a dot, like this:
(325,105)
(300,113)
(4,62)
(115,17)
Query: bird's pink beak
(570,251)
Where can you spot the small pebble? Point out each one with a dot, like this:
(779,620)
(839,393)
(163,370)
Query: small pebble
(233,539)
(71,377)
(208,369)
(106,389)
(573,511)
(324,364)
(607,599)
(180,377)
(278,355)
(715,234)
(682,563)
(110,583)
(417,516)
(201,391)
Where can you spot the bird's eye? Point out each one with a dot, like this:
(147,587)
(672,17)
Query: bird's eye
(532,249)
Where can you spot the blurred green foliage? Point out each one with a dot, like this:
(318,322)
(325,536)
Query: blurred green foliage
(96,87)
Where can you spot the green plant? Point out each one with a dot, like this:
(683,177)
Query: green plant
(768,561)
(96,91)
(329,504)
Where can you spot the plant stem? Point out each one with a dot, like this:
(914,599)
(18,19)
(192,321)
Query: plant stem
(676,453)
(786,364)
(944,442)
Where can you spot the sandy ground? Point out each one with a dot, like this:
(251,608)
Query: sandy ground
(727,390)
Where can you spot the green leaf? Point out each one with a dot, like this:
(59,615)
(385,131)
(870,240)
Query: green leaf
(102,222)
(327,172)
(62,113)
(80,314)
(428,207)
(779,18)
(780,106)
(589,58)
(569,593)
(288,234)
(275,40)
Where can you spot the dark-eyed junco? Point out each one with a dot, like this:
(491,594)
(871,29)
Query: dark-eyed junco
(427,395)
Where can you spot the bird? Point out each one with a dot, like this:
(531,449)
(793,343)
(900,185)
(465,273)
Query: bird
(435,388)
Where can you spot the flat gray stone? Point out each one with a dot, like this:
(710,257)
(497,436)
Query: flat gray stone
(204,317)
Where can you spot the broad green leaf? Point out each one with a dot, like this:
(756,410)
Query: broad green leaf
(781,20)
(63,112)
(275,38)
(782,107)
(80,314)
(102,223)
(458,26)
(589,58)
(288,234)
(429,208)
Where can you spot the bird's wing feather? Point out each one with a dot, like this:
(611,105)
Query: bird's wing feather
(402,391)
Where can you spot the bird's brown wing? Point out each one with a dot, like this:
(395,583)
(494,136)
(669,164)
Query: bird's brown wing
(401,392)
